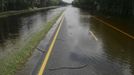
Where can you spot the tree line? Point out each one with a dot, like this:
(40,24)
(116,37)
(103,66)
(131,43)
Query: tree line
(6,5)
(110,7)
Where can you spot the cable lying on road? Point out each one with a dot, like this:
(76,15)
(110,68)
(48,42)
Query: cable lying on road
(40,50)
(61,68)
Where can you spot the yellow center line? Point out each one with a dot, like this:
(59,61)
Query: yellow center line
(109,25)
(42,69)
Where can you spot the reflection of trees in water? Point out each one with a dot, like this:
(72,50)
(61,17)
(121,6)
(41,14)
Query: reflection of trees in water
(118,48)
(9,28)
(15,29)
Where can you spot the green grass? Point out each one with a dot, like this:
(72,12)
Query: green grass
(10,13)
(16,60)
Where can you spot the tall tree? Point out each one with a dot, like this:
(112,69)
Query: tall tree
(111,7)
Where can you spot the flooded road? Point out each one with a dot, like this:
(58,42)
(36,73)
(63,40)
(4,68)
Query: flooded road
(15,31)
(86,46)
(118,48)
(123,23)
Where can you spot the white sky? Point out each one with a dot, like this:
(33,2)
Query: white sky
(69,1)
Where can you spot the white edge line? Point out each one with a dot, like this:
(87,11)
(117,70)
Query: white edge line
(93,35)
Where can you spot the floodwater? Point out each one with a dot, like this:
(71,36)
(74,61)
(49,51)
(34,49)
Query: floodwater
(15,31)
(125,24)
(118,48)
(110,53)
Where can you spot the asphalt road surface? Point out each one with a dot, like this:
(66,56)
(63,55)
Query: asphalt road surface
(86,46)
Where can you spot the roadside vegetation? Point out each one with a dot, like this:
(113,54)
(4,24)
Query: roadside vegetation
(11,13)
(107,7)
(8,5)
(15,60)
(15,7)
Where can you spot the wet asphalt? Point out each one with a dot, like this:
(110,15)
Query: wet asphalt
(86,46)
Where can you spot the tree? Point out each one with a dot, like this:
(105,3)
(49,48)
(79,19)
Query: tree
(6,5)
(111,7)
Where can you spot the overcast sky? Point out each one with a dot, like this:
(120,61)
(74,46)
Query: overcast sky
(69,1)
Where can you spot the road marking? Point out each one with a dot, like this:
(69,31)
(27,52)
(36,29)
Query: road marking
(42,69)
(93,35)
(109,25)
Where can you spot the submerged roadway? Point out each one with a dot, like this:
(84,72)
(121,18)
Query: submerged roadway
(83,45)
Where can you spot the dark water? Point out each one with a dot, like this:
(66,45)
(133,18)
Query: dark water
(118,48)
(111,54)
(15,31)
(125,24)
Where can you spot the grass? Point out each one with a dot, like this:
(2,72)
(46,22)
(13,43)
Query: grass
(16,60)
(10,13)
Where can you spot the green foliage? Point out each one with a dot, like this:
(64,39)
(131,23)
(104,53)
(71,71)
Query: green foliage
(16,59)
(53,2)
(110,7)
(6,5)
